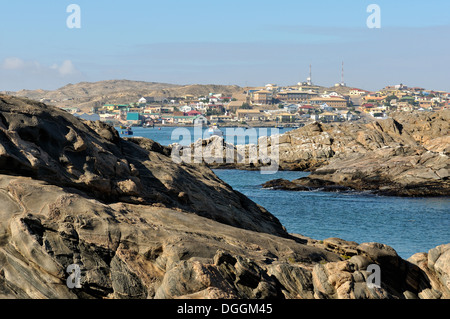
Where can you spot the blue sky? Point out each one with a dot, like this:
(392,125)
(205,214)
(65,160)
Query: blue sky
(243,42)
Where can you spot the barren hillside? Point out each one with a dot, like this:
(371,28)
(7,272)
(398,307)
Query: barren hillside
(86,95)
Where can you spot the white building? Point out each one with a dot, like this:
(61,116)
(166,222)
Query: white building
(200,119)
(326,108)
(185,108)
(146,99)
(331,94)
(357,92)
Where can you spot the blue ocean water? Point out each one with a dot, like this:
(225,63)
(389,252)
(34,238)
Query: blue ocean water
(409,225)
(167,135)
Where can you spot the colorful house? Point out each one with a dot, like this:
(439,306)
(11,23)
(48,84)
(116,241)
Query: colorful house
(133,118)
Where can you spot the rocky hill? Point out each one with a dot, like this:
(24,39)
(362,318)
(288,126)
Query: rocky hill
(86,95)
(73,193)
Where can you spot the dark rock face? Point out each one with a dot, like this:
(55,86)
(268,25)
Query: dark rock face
(73,193)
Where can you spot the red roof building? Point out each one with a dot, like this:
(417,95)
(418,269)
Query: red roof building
(193,113)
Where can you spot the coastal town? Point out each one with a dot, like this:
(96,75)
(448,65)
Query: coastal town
(271,105)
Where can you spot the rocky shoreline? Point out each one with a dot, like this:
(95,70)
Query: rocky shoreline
(407,155)
(138,225)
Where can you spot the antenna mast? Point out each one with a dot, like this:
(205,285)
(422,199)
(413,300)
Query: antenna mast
(342,75)
(309,80)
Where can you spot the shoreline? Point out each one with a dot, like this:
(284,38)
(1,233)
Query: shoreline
(404,156)
(224,125)
(139,225)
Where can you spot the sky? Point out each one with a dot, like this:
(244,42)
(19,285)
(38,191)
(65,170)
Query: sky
(246,42)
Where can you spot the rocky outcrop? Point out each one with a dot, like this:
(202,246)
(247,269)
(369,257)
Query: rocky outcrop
(49,144)
(403,155)
(145,251)
(126,250)
(137,225)
(436,266)
(406,155)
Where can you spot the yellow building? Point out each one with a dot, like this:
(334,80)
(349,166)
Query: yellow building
(234,105)
(285,117)
(334,102)
(110,107)
(262,97)
(295,96)
(249,115)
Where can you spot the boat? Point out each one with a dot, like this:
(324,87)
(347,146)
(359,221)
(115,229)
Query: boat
(127,131)
(122,127)
(280,127)
(214,130)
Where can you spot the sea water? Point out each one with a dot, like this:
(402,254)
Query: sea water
(409,225)
(165,135)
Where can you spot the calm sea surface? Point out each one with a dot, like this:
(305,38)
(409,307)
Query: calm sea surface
(187,135)
(409,225)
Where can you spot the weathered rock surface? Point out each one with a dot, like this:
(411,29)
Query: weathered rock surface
(407,155)
(140,226)
(142,251)
(49,144)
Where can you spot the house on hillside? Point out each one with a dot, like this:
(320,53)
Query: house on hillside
(133,118)
(295,96)
(185,108)
(285,117)
(233,106)
(332,94)
(426,104)
(152,109)
(358,92)
(291,108)
(108,117)
(248,115)
(261,97)
(306,108)
(200,120)
(194,113)
(328,116)
(325,107)
(146,100)
(334,102)
(167,109)
(346,115)
(110,107)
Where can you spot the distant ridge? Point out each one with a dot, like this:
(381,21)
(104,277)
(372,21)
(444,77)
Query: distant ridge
(86,95)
